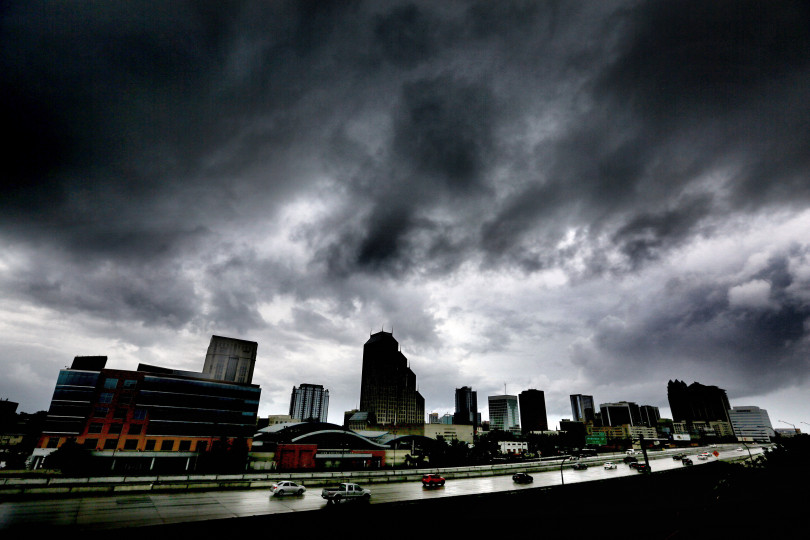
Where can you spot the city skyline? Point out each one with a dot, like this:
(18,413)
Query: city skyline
(580,198)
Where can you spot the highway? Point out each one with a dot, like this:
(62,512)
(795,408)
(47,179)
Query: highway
(128,511)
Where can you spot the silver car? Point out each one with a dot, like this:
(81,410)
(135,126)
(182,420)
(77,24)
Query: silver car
(287,487)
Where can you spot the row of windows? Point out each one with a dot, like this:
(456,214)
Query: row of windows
(148,397)
(150,445)
(199,387)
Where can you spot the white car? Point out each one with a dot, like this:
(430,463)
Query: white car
(287,487)
(609,465)
(704,455)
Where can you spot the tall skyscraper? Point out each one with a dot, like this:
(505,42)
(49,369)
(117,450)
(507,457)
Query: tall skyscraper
(582,408)
(388,386)
(230,359)
(697,402)
(503,413)
(309,402)
(467,408)
(533,410)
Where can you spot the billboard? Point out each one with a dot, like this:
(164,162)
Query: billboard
(681,437)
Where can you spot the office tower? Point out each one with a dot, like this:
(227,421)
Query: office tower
(620,413)
(533,411)
(309,402)
(467,408)
(153,418)
(433,418)
(582,408)
(697,402)
(388,386)
(230,359)
(503,413)
(751,424)
(649,415)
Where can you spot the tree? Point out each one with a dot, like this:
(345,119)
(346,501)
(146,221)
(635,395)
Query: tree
(72,458)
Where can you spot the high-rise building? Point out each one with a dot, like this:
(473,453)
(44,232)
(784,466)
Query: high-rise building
(582,408)
(503,413)
(751,424)
(388,386)
(309,402)
(650,415)
(153,418)
(620,413)
(533,411)
(230,359)
(697,402)
(467,408)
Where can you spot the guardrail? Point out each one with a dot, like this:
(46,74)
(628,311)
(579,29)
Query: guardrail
(16,487)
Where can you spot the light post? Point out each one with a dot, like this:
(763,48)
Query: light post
(562,480)
(788,423)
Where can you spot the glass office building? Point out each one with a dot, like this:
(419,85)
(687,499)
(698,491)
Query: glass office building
(141,418)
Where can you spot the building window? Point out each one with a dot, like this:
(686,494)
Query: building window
(131,444)
(110,444)
(135,429)
(53,442)
(139,414)
(105,397)
(202,446)
(150,445)
(95,427)
(130,383)
(184,446)
(114,428)
(101,412)
(110,383)
(120,413)
(91,444)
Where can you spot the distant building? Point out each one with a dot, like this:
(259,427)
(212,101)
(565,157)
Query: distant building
(620,413)
(751,424)
(582,408)
(230,359)
(150,419)
(697,402)
(446,419)
(533,411)
(309,402)
(278,419)
(503,413)
(433,418)
(388,386)
(467,408)
(649,415)
(450,432)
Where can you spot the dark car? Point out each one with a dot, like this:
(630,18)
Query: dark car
(686,461)
(676,457)
(580,467)
(642,468)
(522,478)
(432,480)
(630,459)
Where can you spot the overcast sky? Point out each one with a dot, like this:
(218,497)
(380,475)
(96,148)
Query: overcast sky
(577,197)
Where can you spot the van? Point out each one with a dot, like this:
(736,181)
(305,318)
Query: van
(631,452)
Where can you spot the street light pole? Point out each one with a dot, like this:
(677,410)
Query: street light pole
(788,423)
(562,480)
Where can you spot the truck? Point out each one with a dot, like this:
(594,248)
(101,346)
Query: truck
(345,492)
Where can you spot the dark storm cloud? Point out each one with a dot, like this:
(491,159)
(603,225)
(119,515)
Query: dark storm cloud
(185,164)
(692,326)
